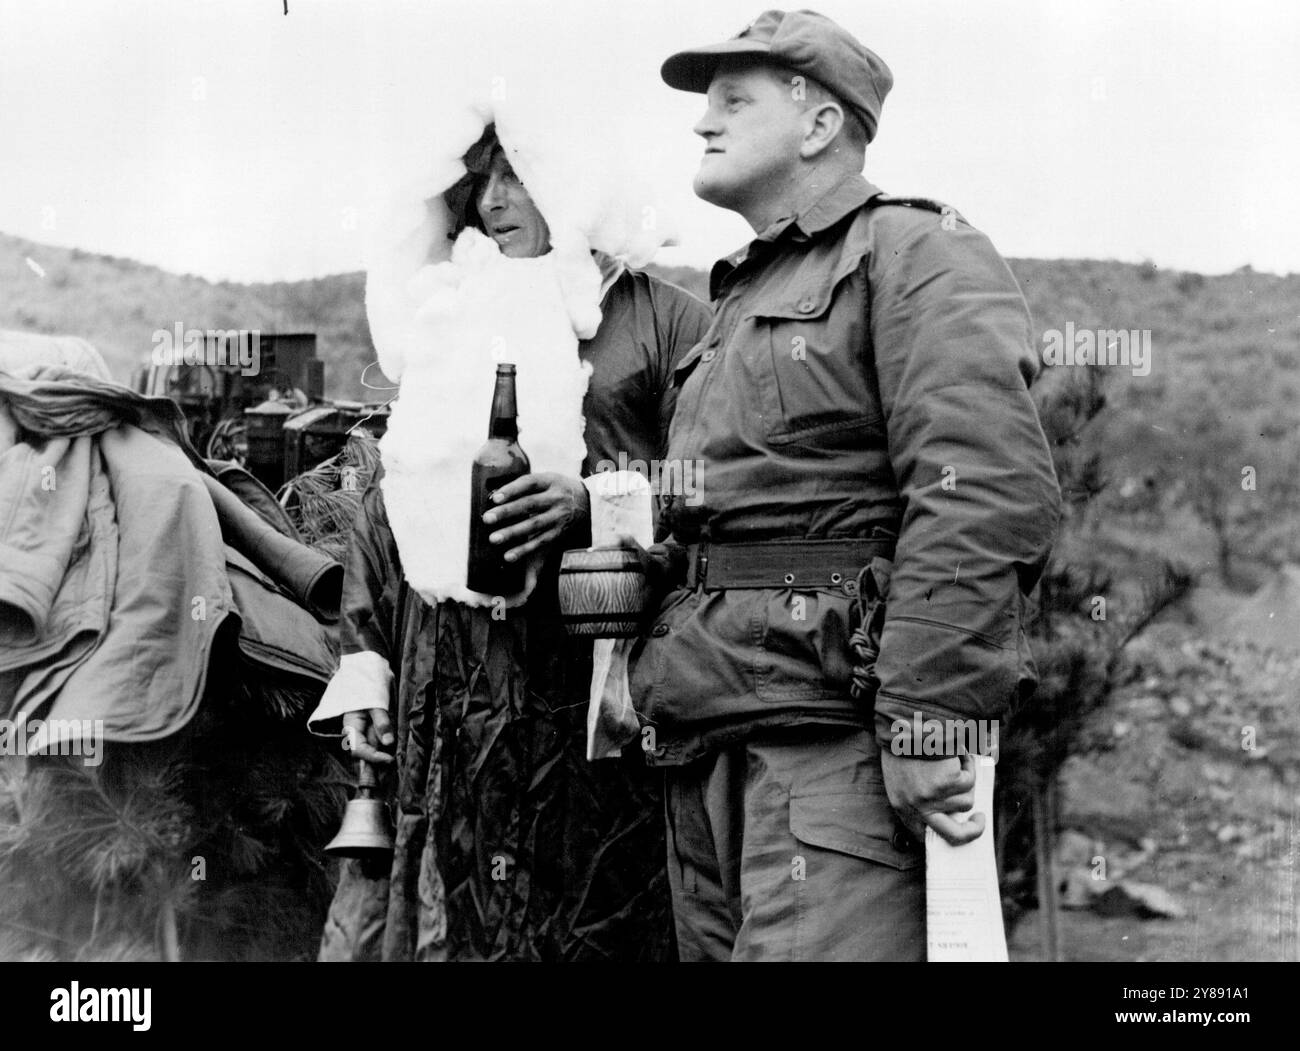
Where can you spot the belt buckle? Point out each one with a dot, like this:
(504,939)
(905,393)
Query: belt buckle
(702,564)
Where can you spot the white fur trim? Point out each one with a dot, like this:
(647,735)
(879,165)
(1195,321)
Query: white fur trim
(363,681)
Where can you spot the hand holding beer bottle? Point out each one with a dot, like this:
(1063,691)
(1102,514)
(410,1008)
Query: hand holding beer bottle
(499,462)
(530,511)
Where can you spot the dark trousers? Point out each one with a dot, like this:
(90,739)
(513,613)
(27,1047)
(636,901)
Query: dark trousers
(785,847)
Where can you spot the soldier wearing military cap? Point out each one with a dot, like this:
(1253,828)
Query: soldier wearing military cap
(878,501)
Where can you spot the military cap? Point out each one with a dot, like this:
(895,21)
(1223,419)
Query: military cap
(804,42)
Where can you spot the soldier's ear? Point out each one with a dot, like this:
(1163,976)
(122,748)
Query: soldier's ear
(822,125)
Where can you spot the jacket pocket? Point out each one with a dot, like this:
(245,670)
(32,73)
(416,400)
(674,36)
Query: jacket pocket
(802,647)
(812,365)
(860,823)
(694,661)
(647,659)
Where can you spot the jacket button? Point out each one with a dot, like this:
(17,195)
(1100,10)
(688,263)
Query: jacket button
(659,630)
(708,355)
(902,841)
(807,305)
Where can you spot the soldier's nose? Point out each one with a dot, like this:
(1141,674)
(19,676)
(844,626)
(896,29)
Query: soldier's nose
(492,199)
(707,126)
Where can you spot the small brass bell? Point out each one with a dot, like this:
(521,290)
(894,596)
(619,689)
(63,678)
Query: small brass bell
(367,830)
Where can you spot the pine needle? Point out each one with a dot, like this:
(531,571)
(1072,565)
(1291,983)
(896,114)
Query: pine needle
(323,502)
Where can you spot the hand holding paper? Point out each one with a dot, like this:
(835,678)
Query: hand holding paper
(963,903)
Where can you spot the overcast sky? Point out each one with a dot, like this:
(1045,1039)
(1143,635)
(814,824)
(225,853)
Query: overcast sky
(225,139)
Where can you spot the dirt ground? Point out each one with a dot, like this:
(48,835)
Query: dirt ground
(1188,781)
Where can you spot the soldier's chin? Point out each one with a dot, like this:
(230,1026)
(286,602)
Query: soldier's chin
(708,187)
(519,247)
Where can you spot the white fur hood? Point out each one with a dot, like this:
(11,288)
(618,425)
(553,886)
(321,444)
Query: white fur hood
(443,314)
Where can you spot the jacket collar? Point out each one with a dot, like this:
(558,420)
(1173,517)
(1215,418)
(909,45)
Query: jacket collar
(611,269)
(842,197)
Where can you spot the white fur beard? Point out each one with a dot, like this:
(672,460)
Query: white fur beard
(478,310)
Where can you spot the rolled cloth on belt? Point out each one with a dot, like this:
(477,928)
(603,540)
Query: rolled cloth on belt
(794,563)
(313,579)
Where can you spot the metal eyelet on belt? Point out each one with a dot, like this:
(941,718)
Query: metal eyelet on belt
(836,577)
(789,578)
(659,630)
(708,355)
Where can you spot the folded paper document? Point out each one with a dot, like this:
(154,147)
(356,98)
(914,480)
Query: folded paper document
(962,902)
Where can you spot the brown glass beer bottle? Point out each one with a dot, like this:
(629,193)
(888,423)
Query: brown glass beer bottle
(499,462)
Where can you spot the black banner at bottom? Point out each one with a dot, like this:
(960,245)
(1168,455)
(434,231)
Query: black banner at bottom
(373,1002)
